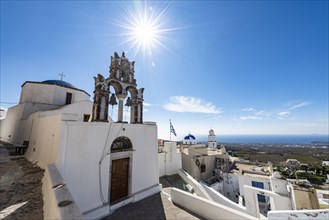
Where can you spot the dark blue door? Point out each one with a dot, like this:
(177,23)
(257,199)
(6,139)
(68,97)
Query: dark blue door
(261,198)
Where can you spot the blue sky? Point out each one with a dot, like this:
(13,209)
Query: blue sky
(238,67)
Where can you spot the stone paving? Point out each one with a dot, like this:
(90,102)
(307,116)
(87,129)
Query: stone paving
(20,186)
(158,206)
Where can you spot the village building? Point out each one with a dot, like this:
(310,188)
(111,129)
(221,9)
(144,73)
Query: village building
(96,164)
(325,163)
(292,162)
(200,161)
(39,97)
(100,160)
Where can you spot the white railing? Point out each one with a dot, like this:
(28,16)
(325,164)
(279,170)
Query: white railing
(206,208)
(57,199)
(318,214)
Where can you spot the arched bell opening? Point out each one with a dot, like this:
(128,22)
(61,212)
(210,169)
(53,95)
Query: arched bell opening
(117,95)
(127,107)
(113,103)
(132,103)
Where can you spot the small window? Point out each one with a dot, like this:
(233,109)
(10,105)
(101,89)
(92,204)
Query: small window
(86,117)
(68,98)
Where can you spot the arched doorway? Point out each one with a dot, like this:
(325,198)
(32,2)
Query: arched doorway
(120,176)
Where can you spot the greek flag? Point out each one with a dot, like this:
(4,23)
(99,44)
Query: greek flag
(172,130)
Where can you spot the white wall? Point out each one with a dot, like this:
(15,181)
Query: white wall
(81,150)
(279,186)
(197,187)
(229,186)
(170,161)
(162,164)
(221,199)
(34,92)
(55,191)
(44,140)
(9,131)
(206,208)
(278,202)
(245,180)
(43,129)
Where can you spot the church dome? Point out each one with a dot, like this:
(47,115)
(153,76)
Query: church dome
(189,137)
(59,83)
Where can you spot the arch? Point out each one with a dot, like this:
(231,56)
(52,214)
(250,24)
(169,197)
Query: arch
(121,143)
(117,87)
(133,91)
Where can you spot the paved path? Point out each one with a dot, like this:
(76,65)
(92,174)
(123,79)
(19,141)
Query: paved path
(20,187)
(158,206)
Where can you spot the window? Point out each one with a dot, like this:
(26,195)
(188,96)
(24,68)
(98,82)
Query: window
(261,198)
(121,144)
(86,117)
(68,98)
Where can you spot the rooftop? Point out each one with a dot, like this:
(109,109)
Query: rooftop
(57,83)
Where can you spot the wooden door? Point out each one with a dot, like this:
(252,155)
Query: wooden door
(119,179)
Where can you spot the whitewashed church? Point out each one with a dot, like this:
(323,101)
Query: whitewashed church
(102,160)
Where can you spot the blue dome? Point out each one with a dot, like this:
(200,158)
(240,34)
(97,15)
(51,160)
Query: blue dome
(189,137)
(59,83)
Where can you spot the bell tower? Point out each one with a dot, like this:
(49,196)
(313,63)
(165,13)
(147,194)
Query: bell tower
(122,80)
(212,143)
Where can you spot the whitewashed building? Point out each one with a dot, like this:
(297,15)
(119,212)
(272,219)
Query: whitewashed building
(35,97)
(200,161)
(101,161)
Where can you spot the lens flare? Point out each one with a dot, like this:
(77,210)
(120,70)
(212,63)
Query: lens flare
(145,28)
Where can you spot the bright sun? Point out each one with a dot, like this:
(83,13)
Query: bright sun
(144,28)
(145,33)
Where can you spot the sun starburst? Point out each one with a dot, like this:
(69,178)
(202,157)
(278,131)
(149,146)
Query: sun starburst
(144,28)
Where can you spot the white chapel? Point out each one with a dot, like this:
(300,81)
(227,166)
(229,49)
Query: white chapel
(189,140)
(37,97)
(102,161)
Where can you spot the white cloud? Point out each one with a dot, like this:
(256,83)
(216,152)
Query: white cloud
(294,105)
(190,104)
(248,109)
(147,104)
(250,117)
(283,114)
(263,113)
(259,115)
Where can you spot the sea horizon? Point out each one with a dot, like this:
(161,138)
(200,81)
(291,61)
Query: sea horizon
(269,138)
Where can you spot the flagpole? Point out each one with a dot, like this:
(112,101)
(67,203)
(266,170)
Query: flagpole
(170,130)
